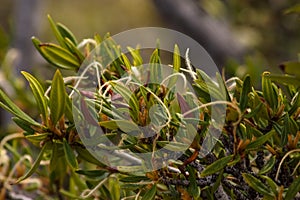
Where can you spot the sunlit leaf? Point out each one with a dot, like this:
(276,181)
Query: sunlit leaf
(56,32)
(57,55)
(137,58)
(66,33)
(38,92)
(57,97)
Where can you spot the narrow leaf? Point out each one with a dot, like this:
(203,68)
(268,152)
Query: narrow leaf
(137,59)
(150,194)
(216,166)
(268,91)
(91,173)
(8,105)
(268,166)
(36,163)
(57,97)
(173,146)
(70,156)
(124,125)
(285,130)
(68,109)
(58,56)
(38,93)
(256,184)
(285,79)
(66,33)
(293,189)
(259,141)
(274,187)
(23,125)
(75,51)
(134,179)
(84,154)
(155,68)
(36,138)
(56,32)
(244,94)
(176,66)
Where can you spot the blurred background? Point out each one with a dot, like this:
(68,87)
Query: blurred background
(241,36)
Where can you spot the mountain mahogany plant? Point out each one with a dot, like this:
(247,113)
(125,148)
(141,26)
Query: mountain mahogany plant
(255,157)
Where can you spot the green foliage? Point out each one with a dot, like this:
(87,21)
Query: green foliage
(251,159)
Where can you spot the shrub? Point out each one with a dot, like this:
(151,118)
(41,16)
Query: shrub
(255,157)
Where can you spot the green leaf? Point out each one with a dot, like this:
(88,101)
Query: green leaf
(256,184)
(176,59)
(137,59)
(66,33)
(291,67)
(285,79)
(268,166)
(75,51)
(55,156)
(84,154)
(293,189)
(134,179)
(176,66)
(8,105)
(57,55)
(124,125)
(91,173)
(56,32)
(259,141)
(57,97)
(68,109)
(129,97)
(173,146)
(216,166)
(23,125)
(70,156)
(155,67)
(150,194)
(218,182)
(193,188)
(38,92)
(36,163)
(222,88)
(244,94)
(39,137)
(272,184)
(295,104)
(285,130)
(114,188)
(268,91)
(126,61)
